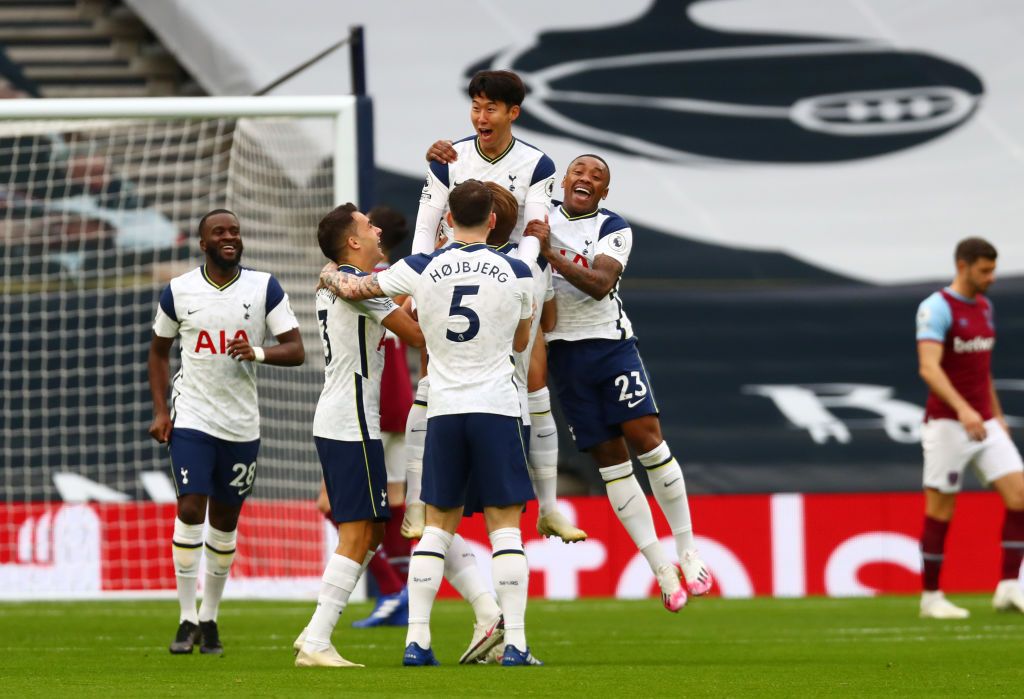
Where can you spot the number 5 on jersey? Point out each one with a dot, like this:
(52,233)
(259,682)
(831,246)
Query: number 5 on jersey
(458,293)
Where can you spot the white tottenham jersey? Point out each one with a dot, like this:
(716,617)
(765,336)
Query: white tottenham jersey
(542,291)
(470,299)
(353,339)
(212,392)
(526,172)
(581,239)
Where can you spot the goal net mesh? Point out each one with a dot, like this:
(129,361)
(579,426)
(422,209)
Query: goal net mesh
(96,216)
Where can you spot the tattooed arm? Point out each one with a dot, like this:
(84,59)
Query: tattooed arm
(350,286)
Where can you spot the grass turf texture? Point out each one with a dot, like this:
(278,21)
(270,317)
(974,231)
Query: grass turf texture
(596,648)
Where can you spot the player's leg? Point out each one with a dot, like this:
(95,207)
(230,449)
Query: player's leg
(445,471)
(543,453)
(193,457)
(946,452)
(643,434)
(396,546)
(999,463)
(415,436)
(499,472)
(356,479)
(462,572)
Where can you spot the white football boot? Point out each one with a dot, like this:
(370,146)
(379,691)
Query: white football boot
(1009,596)
(557,524)
(322,658)
(696,572)
(673,593)
(485,637)
(934,605)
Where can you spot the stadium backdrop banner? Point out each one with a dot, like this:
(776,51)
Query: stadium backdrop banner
(784,545)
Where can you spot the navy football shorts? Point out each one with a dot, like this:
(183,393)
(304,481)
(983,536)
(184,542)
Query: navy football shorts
(479,448)
(473,502)
(205,465)
(601,384)
(357,481)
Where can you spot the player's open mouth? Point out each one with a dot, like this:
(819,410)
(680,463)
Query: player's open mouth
(227,249)
(484,133)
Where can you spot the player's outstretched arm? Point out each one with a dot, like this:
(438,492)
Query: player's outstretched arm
(596,282)
(159,382)
(287,352)
(929,356)
(350,287)
(402,324)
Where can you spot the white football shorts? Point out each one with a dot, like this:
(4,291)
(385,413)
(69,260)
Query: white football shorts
(948,452)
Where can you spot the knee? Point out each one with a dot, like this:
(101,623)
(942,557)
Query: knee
(192,510)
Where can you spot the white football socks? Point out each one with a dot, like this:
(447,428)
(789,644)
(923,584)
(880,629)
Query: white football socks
(339,580)
(220,552)
(630,504)
(511,576)
(460,569)
(543,462)
(426,570)
(185,549)
(669,489)
(415,436)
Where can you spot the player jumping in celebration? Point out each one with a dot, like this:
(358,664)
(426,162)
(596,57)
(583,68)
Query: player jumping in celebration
(346,426)
(602,383)
(495,155)
(964,424)
(475,307)
(222,312)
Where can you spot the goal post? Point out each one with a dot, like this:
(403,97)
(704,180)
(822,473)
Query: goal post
(99,199)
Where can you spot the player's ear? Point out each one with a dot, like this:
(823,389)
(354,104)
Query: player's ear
(492,221)
(605,195)
(513,112)
(449,220)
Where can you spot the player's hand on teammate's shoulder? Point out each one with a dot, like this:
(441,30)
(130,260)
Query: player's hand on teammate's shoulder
(972,422)
(160,428)
(541,231)
(442,152)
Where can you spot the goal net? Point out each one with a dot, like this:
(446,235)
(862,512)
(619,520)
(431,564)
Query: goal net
(99,201)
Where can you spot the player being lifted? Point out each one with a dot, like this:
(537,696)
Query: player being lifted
(222,312)
(495,155)
(965,425)
(475,307)
(601,381)
(346,426)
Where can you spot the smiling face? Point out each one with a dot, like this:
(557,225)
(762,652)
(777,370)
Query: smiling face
(585,184)
(221,240)
(367,237)
(492,121)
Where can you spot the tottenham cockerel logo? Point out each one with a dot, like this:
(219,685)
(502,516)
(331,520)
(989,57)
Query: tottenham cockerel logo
(663,86)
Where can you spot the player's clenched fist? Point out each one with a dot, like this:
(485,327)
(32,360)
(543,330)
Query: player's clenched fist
(541,231)
(160,429)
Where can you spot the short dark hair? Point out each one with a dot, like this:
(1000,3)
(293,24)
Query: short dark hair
(470,203)
(392,224)
(595,156)
(498,85)
(335,229)
(506,214)
(208,214)
(970,250)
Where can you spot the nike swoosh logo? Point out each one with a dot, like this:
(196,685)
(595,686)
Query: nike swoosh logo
(620,509)
(634,403)
(192,310)
(671,482)
(547,434)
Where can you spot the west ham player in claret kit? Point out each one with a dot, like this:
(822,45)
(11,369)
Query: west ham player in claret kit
(964,425)
(346,425)
(222,313)
(601,381)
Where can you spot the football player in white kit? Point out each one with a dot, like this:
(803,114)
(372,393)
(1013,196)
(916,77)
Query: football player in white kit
(495,155)
(475,308)
(602,383)
(346,425)
(223,313)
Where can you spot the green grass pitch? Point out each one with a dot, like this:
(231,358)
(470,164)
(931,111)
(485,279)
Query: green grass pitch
(603,649)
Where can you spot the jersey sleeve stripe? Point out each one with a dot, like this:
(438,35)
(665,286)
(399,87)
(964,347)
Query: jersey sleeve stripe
(440,171)
(613,223)
(545,168)
(275,294)
(419,262)
(167,303)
